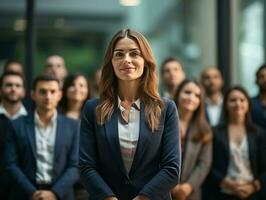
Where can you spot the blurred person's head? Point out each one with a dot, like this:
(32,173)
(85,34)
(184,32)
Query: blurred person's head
(261,78)
(212,81)
(13,65)
(189,100)
(55,65)
(75,90)
(96,79)
(189,97)
(237,105)
(172,72)
(46,92)
(128,58)
(12,87)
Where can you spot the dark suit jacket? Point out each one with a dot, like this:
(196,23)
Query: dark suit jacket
(156,165)
(257,147)
(4,182)
(21,158)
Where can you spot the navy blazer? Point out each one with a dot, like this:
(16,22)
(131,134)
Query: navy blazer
(257,147)
(20,158)
(156,166)
(4,182)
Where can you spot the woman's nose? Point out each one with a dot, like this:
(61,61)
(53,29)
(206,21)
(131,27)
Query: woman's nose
(127,58)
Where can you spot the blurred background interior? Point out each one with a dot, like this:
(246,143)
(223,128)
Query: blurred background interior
(229,34)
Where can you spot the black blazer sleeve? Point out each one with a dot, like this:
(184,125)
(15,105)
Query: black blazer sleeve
(169,174)
(90,176)
(11,161)
(71,173)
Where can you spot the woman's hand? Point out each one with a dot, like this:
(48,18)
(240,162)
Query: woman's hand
(182,191)
(230,184)
(141,197)
(110,198)
(244,191)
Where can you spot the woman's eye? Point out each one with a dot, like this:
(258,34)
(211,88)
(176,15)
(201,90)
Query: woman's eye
(119,54)
(135,53)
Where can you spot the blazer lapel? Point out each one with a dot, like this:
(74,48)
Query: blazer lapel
(111,132)
(252,151)
(30,128)
(143,142)
(59,135)
(225,138)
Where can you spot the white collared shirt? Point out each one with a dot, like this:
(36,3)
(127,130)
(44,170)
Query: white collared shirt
(128,131)
(214,110)
(45,143)
(21,112)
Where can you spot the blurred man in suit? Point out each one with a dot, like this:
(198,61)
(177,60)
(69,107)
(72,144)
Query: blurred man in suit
(42,148)
(212,81)
(172,74)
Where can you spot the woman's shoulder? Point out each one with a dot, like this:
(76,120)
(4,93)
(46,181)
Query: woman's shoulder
(168,103)
(92,103)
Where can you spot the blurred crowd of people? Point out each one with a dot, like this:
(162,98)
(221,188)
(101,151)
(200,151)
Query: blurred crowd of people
(222,133)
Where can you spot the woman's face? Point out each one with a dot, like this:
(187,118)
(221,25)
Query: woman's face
(189,97)
(79,90)
(237,104)
(127,60)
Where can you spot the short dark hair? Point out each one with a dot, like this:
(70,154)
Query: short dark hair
(8,62)
(10,73)
(171,59)
(44,77)
(262,67)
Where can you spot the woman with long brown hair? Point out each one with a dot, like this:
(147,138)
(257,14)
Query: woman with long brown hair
(129,145)
(195,141)
(239,163)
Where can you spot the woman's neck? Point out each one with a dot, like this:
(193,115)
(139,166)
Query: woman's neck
(128,90)
(185,115)
(74,106)
(237,120)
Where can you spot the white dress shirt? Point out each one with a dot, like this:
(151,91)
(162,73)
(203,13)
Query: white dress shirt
(21,112)
(45,143)
(214,110)
(128,131)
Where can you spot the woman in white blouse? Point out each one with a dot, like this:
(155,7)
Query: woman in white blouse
(239,161)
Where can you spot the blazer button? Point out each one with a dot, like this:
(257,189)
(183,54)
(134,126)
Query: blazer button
(127,182)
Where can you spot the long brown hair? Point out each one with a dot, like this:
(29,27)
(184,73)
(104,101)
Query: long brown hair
(148,88)
(199,127)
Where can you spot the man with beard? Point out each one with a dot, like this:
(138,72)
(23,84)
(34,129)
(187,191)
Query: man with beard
(259,102)
(55,65)
(172,74)
(12,91)
(212,82)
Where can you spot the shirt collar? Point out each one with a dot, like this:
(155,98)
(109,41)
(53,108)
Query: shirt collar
(39,123)
(135,104)
(219,102)
(21,112)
